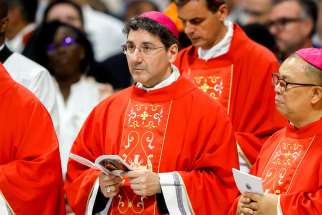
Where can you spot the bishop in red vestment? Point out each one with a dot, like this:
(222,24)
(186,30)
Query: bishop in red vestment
(30,179)
(166,127)
(290,161)
(233,70)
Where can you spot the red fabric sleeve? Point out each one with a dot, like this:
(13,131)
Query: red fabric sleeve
(80,179)
(259,118)
(211,182)
(299,203)
(30,179)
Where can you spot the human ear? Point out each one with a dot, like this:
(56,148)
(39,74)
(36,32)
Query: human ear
(4,24)
(222,12)
(316,95)
(172,52)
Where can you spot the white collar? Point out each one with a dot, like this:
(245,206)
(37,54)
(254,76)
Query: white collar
(220,48)
(2,46)
(175,74)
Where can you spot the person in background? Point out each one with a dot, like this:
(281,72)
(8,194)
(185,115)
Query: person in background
(255,11)
(21,23)
(98,25)
(174,165)
(27,72)
(293,23)
(65,11)
(172,12)
(233,70)
(66,52)
(290,161)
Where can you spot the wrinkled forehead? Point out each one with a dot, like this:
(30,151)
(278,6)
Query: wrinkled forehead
(294,68)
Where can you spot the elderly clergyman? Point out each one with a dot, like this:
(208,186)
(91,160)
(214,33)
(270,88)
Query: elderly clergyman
(290,161)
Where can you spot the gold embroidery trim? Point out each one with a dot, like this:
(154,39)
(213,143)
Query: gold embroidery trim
(277,146)
(230,88)
(295,171)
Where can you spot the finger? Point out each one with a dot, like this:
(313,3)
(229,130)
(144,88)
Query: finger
(137,173)
(245,200)
(136,187)
(136,180)
(110,191)
(133,174)
(108,177)
(253,206)
(117,179)
(247,211)
(253,196)
(139,192)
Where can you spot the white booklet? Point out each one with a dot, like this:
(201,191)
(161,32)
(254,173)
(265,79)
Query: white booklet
(109,164)
(247,183)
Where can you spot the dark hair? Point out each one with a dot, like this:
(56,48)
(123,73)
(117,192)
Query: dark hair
(44,35)
(136,23)
(3,9)
(68,2)
(260,34)
(310,9)
(28,8)
(135,5)
(213,5)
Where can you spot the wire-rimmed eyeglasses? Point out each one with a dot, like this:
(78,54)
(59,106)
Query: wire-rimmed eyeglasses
(129,49)
(283,84)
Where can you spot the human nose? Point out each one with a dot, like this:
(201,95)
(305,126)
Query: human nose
(274,28)
(189,28)
(137,55)
(278,89)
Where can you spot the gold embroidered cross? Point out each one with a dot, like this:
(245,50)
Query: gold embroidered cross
(205,87)
(144,115)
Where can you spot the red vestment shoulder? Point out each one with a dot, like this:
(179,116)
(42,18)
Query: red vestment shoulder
(241,81)
(290,166)
(174,129)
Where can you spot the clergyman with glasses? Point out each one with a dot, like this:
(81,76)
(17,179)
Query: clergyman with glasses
(290,161)
(293,23)
(177,139)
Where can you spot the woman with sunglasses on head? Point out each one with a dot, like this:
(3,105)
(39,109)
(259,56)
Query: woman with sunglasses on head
(66,52)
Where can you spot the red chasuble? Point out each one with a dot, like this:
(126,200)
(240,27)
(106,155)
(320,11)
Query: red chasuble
(241,81)
(176,128)
(290,165)
(30,179)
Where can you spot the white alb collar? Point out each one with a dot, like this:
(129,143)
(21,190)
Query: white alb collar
(175,74)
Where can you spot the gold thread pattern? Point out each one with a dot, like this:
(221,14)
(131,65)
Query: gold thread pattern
(216,82)
(142,140)
(283,164)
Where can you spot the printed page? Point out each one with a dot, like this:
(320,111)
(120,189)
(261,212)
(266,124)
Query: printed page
(82,160)
(113,164)
(247,183)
